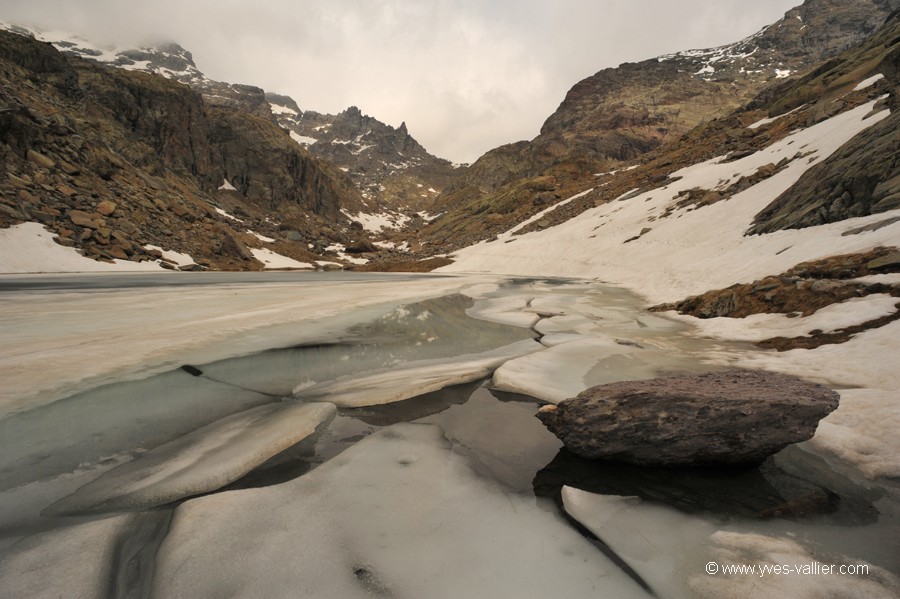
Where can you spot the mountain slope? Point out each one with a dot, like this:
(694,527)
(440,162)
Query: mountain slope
(114,161)
(619,115)
(394,173)
(683,222)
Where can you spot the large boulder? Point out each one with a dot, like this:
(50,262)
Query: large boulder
(729,417)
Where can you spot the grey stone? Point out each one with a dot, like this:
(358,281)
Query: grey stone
(892,260)
(728,417)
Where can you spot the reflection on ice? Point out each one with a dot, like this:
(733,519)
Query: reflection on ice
(202,461)
(75,561)
(399,514)
(502,439)
(671,551)
(413,378)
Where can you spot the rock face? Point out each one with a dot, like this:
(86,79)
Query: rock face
(729,417)
(863,177)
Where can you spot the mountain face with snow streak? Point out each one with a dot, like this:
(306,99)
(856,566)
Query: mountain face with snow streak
(618,115)
(394,173)
(391,169)
(168,60)
(117,164)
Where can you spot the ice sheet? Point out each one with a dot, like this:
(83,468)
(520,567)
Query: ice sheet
(564,370)
(671,551)
(504,310)
(399,514)
(75,561)
(503,439)
(55,343)
(661,545)
(202,461)
(560,372)
(413,378)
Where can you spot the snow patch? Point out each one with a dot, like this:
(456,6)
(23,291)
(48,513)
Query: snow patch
(274,261)
(29,248)
(868,82)
(172,256)
(278,109)
(767,120)
(228,216)
(262,238)
(303,140)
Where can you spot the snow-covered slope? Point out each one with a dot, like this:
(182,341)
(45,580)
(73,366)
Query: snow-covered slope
(690,250)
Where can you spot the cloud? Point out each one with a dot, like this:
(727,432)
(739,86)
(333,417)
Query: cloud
(465,75)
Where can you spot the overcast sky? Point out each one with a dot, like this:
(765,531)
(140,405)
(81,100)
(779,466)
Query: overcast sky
(465,75)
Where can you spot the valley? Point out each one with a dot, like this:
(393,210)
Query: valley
(360,419)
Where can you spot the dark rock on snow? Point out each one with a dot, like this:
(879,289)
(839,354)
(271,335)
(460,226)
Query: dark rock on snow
(726,417)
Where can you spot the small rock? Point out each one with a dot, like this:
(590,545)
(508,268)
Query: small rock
(40,160)
(106,208)
(26,197)
(360,247)
(117,252)
(66,190)
(232,246)
(84,219)
(18,181)
(69,168)
(727,417)
(892,260)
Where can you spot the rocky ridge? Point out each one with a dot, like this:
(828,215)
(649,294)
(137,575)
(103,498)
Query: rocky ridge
(117,162)
(394,173)
(392,170)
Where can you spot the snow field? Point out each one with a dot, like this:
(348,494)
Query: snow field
(683,255)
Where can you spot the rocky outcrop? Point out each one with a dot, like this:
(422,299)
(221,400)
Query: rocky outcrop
(729,417)
(862,177)
(800,290)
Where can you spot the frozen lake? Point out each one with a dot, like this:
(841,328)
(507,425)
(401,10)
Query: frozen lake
(357,435)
